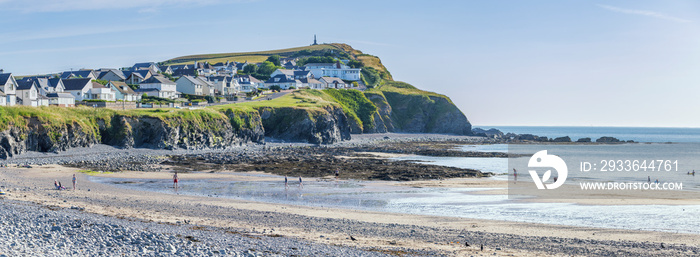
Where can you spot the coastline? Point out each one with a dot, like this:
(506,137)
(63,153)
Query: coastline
(376,233)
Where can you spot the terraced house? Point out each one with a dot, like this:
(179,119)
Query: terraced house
(8,89)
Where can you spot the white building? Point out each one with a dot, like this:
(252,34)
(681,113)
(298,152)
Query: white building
(8,86)
(248,83)
(165,87)
(335,70)
(28,93)
(191,86)
(101,92)
(61,99)
(78,87)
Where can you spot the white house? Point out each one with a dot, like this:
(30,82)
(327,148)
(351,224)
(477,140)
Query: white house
(122,91)
(78,87)
(292,74)
(101,92)
(55,86)
(3,99)
(165,87)
(152,66)
(61,99)
(248,83)
(135,77)
(330,82)
(335,70)
(28,93)
(112,75)
(312,83)
(225,85)
(283,81)
(192,86)
(8,86)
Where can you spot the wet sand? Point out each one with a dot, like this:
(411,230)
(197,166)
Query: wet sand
(384,231)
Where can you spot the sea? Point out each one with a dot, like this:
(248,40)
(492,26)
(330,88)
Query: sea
(638,134)
(470,202)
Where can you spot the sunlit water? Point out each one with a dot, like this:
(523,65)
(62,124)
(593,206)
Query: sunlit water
(453,202)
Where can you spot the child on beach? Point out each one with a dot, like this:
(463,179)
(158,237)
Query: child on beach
(286,185)
(175,180)
(75,180)
(300,183)
(337,173)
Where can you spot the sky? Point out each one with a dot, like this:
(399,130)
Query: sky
(528,63)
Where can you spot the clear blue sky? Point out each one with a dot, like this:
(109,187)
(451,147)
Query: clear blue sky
(600,63)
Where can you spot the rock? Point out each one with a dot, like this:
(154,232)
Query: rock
(584,140)
(607,140)
(565,139)
(55,228)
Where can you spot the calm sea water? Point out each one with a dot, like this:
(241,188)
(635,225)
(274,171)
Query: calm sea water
(638,134)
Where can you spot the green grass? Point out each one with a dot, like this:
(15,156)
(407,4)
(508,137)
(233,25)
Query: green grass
(355,105)
(245,56)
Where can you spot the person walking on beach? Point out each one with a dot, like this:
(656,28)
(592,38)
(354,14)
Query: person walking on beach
(75,180)
(337,174)
(515,174)
(648,179)
(286,184)
(175,180)
(300,182)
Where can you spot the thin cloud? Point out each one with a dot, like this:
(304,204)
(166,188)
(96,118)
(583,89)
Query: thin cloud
(72,49)
(644,13)
(33,6)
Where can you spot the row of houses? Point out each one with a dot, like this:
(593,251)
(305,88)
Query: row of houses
(69,87)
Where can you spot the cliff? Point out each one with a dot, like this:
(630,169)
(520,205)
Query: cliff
(53,129)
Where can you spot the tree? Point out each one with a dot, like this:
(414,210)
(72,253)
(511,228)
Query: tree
(250,69)
(275,88)
(355,64)
(274,59)
(266,68)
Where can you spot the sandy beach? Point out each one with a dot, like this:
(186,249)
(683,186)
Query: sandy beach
(389,232)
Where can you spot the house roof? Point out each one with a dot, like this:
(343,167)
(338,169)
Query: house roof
(25,84)
(184,72)
(4,77)
(97,85)
(332,80)
(78,73)
(248,78)
(158,80)
(119,73)
(220,78)
(194,80)
(54,82)
(140,65)
(76,84)
(122,87)
(310,81)
(179,66)
(59,95)
(320,64)
(282,79)
(143,90)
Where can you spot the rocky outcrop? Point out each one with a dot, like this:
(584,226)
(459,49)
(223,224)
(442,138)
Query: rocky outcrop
(313,125)
(41,137)
(382,118)
(417,113)
(193,131)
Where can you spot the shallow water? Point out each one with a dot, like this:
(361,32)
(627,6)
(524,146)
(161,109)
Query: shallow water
(454,202)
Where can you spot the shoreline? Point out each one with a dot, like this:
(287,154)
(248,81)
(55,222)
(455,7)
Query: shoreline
(375,233)
(310,223)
